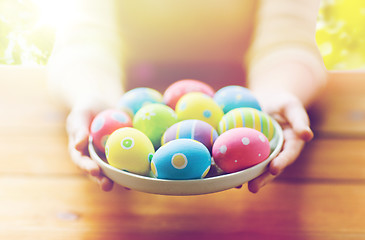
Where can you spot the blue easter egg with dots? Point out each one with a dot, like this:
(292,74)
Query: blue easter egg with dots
(181,159)
(231,97)
(136,98)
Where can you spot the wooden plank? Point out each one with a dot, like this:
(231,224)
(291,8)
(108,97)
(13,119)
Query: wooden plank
(73,208)
(340,110)
(26,105)
(35,154)
(329,160)
(32,127)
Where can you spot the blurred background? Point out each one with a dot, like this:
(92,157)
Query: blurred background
(26,38)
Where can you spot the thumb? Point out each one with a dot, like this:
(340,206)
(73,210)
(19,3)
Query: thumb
(78,128)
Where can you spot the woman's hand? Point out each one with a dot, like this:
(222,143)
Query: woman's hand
(290,113)
(77,125)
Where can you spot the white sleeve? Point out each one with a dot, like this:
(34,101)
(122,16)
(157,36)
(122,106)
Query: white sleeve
(86,60)
(286,29)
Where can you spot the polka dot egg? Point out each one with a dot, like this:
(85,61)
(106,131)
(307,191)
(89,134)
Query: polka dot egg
(240,148)
(129,149)
(191,129)
(136,98)
(105,123)
(153,120)
(231,97)
(199,106)
(176,90)
(181,159)
(247,117)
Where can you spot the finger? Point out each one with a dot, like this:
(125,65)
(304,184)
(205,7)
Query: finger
(91,168)
(85,163)
(105,183)
(298,118)
(78,128)
(82,140)
(77,120)
(291,150)
(256,184)
(279,118)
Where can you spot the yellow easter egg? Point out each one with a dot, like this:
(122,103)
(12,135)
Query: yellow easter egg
(196,105)
(129,149)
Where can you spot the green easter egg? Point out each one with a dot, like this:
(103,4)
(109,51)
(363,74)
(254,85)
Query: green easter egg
(153,120)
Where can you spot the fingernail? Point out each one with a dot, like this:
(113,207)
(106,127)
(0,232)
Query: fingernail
(106,185)
(309,134)
(94,172)
(274,168)
(254,188)
(274,171)
(305,133)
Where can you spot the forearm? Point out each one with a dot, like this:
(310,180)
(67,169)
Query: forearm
(294,71)
(284,55)
(83,73)
(86,62)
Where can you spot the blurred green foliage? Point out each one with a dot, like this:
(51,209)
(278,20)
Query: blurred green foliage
(22,39)
(340,34)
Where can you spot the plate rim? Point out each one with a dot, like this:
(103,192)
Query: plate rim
(191,186)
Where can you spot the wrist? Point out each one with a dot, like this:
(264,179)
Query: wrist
(289,79)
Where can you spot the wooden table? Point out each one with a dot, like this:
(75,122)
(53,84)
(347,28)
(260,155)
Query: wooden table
(44,196)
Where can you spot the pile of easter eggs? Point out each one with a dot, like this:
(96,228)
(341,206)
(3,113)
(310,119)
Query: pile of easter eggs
(182,133)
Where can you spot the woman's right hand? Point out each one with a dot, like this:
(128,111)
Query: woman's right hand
(77,126)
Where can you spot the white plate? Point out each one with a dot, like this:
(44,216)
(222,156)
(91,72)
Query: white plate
(189,187)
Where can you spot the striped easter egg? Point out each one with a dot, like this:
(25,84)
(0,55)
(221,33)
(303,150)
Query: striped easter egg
(247,117)
(192,129)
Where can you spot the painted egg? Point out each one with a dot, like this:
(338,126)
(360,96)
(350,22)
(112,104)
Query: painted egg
(199,106)
(136,98)
(129,149)
(192,129)
(181,159)
(240,148)
(247,117)
(105,123)
(176,90)
(231,97)
(153,120)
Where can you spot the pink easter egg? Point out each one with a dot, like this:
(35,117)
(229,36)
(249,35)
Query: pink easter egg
(240,148)
(105,123)
(179,88)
